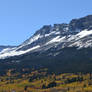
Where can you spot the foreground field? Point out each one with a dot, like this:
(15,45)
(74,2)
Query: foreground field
(41,81)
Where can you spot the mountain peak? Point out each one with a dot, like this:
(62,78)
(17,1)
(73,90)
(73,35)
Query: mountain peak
(81,23)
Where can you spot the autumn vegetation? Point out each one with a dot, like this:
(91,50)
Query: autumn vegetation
(42,81)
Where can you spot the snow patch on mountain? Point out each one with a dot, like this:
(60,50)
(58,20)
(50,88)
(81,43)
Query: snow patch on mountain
(53,32)
(78,39)
(56,39)
(34,38)
(7,50)
(84,33)
(16,53)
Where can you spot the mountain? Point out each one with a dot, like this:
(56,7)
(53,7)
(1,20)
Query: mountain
(5,47)
(61,48)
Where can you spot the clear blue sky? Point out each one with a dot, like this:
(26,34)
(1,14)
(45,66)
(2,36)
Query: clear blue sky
(19,19)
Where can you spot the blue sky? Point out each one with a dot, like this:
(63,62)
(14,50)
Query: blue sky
(19,19)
